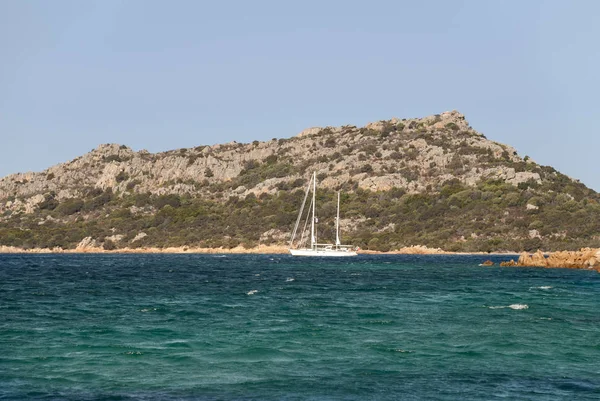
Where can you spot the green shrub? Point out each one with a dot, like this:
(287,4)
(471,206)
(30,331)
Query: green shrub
(330,142)
(112,158)
(132,184)
(70,206)
(452,126)
(49,202)
(164,200)
(122,176)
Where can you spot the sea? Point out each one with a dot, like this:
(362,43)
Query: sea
(274,327)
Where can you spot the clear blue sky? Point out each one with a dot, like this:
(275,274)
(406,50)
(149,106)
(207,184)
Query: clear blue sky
(161,75)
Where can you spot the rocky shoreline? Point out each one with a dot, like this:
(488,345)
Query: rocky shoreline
(585,258)
(261,249)
(272,249)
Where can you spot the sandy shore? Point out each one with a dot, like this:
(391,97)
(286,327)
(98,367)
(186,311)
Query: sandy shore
(261,249)
(184,249)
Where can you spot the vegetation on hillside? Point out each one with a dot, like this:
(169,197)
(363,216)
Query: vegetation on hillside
(492,216)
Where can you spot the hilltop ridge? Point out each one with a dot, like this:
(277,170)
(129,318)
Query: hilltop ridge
(418,146)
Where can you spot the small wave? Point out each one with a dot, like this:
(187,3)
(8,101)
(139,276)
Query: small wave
(290,279)
(543,287)
(257,274)
(148,309)
(252,292)
(513,306)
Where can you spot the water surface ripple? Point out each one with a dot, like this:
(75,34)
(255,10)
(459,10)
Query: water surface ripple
(273,327)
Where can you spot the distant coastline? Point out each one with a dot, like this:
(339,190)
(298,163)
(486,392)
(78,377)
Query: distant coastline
(585,258)
(261,249)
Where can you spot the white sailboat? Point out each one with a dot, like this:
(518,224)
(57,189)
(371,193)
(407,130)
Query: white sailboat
(317,249)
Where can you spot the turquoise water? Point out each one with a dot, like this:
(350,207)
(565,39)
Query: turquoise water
(273,327)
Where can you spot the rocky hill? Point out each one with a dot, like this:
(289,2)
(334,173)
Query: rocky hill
(433,181)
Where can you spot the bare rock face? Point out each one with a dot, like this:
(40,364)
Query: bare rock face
(30,205)
(451,117)
(383,183)
(309,132)
(86,244)
(376,126)
(114,238)
(139,236)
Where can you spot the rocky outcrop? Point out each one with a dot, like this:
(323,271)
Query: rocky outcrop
(260,249)
(87,245)
(586,258)
(310,131)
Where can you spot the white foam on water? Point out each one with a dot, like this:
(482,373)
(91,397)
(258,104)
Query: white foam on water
(543,287)
(290,279)
(176,341)
(252,292)
(513,306)
(257,274)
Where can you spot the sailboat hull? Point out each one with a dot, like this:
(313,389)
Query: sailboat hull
(322,252)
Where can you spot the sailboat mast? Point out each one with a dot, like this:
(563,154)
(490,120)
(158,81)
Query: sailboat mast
(313,239)
(300,217)
(337,222)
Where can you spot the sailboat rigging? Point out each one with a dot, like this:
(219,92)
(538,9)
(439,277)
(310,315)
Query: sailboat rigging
(317,249)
